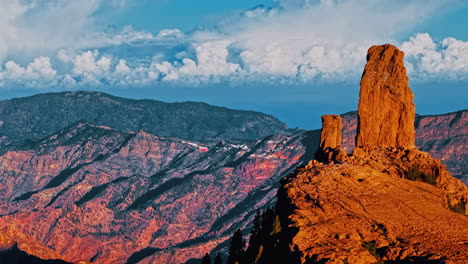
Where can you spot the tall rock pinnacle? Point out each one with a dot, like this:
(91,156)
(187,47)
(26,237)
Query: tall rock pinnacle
(386,110)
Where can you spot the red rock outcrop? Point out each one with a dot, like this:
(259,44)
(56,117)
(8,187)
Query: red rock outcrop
(96,193)
(330,140)
(386,109)
(10,239)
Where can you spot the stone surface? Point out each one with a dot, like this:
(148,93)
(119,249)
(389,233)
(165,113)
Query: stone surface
(330,140)
(388,201)
(95,193)
(348,213)
(14,248)
(386,110)
(331,132)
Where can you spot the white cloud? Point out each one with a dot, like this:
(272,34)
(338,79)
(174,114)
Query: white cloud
(433,60)
(170,33)
(295,41)
(40,68)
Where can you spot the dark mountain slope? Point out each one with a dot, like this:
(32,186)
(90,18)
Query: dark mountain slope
(32,118)
(16,256)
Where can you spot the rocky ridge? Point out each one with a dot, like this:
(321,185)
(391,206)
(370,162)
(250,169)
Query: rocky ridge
(27,119)
(127,196)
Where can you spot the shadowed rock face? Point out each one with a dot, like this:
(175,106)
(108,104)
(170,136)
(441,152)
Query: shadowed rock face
(95,193)
(386,110)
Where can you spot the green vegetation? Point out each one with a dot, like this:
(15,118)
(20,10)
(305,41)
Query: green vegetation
(236,248)
(415,174)
(264,245)
(378,253)
(36,117)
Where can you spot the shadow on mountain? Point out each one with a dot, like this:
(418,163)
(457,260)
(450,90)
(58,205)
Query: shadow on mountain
(16,256)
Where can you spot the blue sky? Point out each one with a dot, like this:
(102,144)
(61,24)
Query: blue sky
(295,59)
(182,14)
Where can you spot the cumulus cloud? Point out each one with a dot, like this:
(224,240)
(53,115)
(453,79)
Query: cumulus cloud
(432,60)
(293,41)
(40,68)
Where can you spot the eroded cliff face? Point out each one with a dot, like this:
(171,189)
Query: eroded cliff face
(387,201)
(98,194)
(13,247)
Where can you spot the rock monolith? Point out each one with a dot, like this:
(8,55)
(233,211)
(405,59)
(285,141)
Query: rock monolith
(386,110)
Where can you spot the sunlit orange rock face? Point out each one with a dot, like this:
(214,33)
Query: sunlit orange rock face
(101,195)
(386,109)
(388,201)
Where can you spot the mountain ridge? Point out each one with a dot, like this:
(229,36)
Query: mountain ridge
(34,117)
